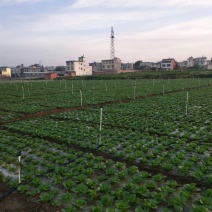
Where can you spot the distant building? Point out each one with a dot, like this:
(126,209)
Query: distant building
(96,66)
(190,62)
(5,71)
(35,68)
(33,71)
(34,75)
(111,65)
(19,70)
(145,64)
(209,64)
(50,68)
(127,66)
(200,61)
(49,76)
(183,65)
(80,67)
(149,65)
(168,64)
(156,66)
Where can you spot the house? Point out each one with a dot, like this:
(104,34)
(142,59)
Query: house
(5,71)
(34,75)
(209,64)
(50,68)
(156,66)
(145,64)
(199,61)
(168,64)
(183,65)
(80,67)
(49,76)
(127,66)
(96,66)
(35,68)
(111,65)
(190,62)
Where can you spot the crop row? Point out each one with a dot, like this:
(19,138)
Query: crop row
(157,133)
(30,97)
(80,181)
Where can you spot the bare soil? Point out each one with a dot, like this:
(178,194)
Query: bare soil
(17,202)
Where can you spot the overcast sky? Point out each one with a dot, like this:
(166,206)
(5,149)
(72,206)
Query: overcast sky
(53,31)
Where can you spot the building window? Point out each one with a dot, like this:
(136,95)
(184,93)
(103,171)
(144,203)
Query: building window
(103,66)
(108,66)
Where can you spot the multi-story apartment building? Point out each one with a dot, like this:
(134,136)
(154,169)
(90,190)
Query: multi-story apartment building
(200,61)
(33,71)
(111,65)
(78,67)
(168,64)
(190,62)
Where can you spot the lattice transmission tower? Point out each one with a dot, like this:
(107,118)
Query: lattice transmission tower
(112,46)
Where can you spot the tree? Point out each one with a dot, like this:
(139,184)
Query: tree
(137,63)
(59,68)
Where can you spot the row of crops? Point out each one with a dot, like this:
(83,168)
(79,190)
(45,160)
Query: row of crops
(154,153)
(31,97)
(92,183)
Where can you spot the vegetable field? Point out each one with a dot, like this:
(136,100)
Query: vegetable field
(108,145)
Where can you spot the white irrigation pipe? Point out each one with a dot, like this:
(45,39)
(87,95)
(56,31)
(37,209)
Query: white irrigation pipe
(81,97)
(19,171)
(186,109)
(23,91)
(100,128)
(187,97)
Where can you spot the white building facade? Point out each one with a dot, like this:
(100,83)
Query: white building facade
(200,61)
(80,67)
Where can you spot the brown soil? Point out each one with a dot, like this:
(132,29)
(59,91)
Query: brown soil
(17,202)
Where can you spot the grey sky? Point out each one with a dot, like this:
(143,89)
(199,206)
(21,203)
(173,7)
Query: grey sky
(53,31)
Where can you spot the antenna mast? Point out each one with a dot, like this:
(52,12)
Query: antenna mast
(112,47)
